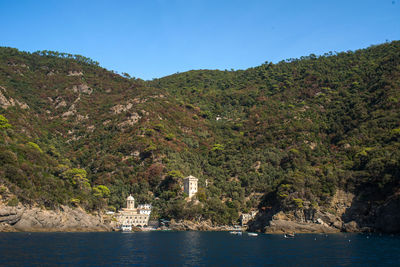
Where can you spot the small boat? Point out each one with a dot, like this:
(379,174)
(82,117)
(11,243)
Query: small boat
(126,228)
(235,232)
(289,235)
(252,234)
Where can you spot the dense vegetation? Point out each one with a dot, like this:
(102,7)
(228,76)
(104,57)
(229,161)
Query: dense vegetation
(287,134)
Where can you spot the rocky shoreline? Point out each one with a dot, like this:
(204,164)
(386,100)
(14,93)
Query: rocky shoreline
(280,224)
(320,222)
(66,219)
(346,213)
(35,219)
(197,226)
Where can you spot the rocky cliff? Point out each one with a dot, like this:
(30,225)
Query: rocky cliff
(375,212)
(34,219)
(346,213)
(186,225)
(307,219)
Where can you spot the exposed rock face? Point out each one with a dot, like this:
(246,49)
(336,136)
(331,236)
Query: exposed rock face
(307,219)
(9,215)
(371,211)
(283,226)
(196,226)
(300,221)
(61,104)
(68,113)
(121,108)
(341,201)
(82,88)
(39,220)
(117,109)
(4,102)
(348,213)
(351,227)
(5,227)
(134,118)
(22,104)
(10,102)
(75,73)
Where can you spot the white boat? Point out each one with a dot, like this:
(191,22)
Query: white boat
(126,228)
(289,235)
(252,234)
(235,232)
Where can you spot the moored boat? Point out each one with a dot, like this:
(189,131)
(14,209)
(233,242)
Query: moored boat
(126,228)
(235,232)
(289,235)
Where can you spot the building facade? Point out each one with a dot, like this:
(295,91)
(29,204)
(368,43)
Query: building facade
(134,216)
(190,185)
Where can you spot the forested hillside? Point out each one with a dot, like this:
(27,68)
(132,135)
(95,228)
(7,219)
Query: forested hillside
(285,135)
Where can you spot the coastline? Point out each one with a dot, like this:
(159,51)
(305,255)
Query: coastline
(67,219)
(63,219)
(76,220)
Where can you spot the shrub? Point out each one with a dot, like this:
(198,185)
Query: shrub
(170,136)
(35,146)
(4,123)
(298,202)
(13,202)
(159,127)
(217,147)
(149,132)
(3,189)
(75,201)
(7,157)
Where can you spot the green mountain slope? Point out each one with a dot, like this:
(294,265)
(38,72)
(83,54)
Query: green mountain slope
(286,135)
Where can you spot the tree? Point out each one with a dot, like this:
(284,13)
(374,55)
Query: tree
(4,123)
(35,146)
(101,191)
(77,177)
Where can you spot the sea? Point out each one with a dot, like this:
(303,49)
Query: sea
(168,248)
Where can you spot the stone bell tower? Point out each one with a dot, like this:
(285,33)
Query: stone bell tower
(130,203)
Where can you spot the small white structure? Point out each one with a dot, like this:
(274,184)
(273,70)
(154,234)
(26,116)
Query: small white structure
(144,209)
(190,185)
(246,217)
(126,228)
(131,216)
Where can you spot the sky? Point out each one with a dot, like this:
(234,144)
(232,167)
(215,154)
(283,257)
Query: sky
(154,38)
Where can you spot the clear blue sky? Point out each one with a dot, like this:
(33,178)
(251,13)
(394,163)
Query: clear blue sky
(154,38)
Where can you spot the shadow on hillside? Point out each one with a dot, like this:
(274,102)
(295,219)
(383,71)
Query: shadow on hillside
(375,211)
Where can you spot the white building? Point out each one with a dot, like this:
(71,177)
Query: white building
(246,217)
(190,185)
(144,209)
(134,216)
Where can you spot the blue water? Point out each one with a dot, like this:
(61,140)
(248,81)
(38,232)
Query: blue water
(197,249)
